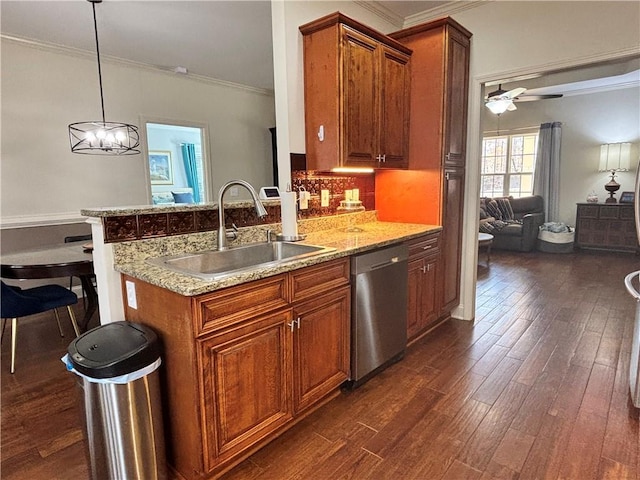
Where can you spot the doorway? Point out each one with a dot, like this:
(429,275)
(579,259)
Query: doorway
(177,170)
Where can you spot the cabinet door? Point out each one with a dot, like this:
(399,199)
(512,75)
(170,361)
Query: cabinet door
(414,296)
(394,109)
(429,305)
(246,378)
(422,302)
(359,99)
(457,79)
(321,346)
(453,203)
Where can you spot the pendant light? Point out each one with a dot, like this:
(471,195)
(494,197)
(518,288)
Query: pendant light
(102,137)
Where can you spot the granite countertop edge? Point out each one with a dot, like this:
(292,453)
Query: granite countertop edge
(372,235)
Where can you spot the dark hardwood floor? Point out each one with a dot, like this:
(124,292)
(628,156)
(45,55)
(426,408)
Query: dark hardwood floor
(536,387)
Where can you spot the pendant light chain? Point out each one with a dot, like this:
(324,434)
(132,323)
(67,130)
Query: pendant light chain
(95,29)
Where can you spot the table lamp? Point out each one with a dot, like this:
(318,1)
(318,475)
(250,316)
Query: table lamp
(614,157)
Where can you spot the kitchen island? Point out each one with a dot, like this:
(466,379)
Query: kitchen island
(247,356)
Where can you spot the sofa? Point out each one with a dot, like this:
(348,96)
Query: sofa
(513,222)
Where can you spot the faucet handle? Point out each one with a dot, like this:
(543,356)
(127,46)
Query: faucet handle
(269,234)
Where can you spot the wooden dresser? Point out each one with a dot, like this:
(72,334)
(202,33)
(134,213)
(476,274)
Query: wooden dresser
(606,226)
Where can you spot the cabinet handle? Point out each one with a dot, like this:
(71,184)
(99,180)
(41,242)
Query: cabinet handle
(424,269)
(384,158)
(294,323)
(446,175)
(427,247)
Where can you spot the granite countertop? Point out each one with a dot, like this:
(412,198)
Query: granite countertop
(370,236)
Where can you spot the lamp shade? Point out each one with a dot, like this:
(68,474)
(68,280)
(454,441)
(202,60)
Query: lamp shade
(615,157)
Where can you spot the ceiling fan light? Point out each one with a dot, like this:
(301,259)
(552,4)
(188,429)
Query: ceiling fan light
(498,107)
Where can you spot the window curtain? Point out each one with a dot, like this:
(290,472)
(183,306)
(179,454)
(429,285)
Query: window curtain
(191,169)
(546,178)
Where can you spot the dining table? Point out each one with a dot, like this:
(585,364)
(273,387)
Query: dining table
(55,261)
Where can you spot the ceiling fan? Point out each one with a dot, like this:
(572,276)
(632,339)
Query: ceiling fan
(501,100)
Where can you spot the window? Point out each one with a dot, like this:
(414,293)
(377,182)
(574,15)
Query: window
(508,162)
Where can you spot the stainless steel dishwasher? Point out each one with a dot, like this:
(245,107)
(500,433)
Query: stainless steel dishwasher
(379,310)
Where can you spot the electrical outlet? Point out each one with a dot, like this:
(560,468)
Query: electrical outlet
(233,191)
(324,198)
(131,295)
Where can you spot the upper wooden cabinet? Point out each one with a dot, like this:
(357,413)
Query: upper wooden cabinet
(439,93)
(357,84)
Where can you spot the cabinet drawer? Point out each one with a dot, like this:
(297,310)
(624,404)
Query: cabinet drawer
(310,281)
(224,307)
(428,244)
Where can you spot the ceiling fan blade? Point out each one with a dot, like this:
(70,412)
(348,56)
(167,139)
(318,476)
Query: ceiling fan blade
(515,92)
(531,98)
(512,107)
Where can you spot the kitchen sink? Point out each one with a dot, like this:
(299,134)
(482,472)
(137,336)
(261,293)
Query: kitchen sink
(217,264)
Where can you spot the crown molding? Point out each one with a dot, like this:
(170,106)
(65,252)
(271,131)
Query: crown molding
(533,71)
(84,54)
(381,11)
(447,9)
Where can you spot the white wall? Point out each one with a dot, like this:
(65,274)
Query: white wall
(44,90)
(587,122)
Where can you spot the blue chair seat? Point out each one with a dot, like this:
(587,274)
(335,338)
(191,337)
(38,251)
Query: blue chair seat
(17,302)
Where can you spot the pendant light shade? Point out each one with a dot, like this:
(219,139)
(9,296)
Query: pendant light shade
(100,137)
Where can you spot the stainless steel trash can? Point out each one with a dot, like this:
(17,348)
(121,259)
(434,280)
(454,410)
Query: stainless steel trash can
(118,363)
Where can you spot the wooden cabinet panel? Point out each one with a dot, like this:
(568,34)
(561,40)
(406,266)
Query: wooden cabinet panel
(452,239)
(423,303)
(357,93)
(606,227)
(414,297)
(360,100)
(233,304)
(456,98)
(246,375)
(310,281)
(394,109)
(321,347)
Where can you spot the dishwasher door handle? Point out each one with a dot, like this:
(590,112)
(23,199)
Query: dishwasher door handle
(391,261)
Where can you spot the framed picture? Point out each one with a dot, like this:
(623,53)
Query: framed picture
(627,197)
(160,170)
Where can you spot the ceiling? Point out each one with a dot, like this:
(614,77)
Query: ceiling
(228,40)
(196,35)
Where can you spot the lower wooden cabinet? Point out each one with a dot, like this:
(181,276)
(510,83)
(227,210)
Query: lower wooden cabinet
(321,350)
(246,378)
(242,364)
(424,265)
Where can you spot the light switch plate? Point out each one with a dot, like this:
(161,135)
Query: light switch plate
(324,198)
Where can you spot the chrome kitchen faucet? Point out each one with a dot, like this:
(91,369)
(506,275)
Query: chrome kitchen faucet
(222,230)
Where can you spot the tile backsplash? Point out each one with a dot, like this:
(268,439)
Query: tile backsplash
(314,181)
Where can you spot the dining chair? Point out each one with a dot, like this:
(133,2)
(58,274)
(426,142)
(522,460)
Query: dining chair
(78,238)
(16,302)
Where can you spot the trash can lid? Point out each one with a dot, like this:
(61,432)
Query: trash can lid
(114,349)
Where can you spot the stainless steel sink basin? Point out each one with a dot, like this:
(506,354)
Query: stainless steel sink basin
(214,264)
